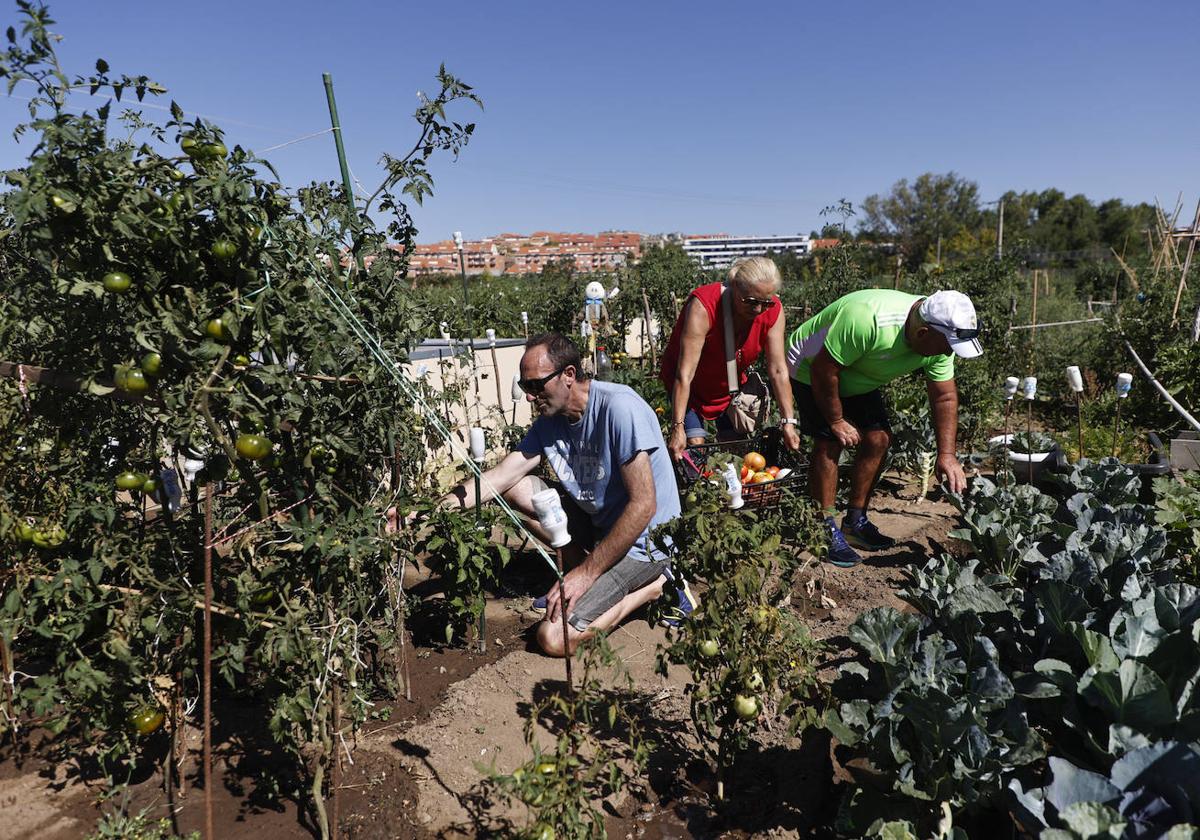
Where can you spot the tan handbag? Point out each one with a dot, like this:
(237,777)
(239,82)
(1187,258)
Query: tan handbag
(748,402)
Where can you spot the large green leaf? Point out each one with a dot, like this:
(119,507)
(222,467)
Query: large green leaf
(1133,695)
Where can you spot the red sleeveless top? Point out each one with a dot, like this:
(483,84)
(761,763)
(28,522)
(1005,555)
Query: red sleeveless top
(709,395)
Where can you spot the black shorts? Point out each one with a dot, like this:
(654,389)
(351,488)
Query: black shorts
(866,412)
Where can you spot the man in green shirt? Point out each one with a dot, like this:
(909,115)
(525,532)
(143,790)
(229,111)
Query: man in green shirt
(838,361)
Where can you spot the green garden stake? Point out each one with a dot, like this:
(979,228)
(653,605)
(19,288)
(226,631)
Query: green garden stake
(1075,383)
(1029,390)
(341,153)
(1011,384)
(478,452)
(1124,383)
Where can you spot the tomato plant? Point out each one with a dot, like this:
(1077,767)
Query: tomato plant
(102,605)
(748,657)
(598,733)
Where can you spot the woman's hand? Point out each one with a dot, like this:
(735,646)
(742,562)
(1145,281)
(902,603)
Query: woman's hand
(677,442)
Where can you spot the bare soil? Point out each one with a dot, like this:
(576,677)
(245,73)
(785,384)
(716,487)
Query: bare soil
(411,773)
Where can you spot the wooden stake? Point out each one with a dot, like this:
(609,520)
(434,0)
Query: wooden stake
(207,666)
(1187,263)
(646,329)
(562,605)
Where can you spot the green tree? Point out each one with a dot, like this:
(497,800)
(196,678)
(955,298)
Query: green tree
(915,215)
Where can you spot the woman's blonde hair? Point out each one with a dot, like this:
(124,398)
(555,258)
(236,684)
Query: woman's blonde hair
(756,272)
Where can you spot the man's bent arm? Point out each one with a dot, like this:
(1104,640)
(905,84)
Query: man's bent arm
(498,480)
(639,484)
(826,380)
(943,404)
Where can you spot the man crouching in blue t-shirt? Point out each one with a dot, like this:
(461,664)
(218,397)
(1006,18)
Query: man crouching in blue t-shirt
(606,449)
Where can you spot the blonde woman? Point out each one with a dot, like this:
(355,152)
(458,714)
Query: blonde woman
(695,363)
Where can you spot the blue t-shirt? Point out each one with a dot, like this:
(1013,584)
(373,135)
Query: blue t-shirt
(587,457)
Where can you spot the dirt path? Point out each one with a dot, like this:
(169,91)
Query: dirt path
(482,717)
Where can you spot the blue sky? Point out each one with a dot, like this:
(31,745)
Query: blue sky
(695,117)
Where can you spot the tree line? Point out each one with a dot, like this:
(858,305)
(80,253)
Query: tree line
(945,213)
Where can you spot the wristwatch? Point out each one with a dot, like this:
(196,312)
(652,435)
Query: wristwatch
(789,421)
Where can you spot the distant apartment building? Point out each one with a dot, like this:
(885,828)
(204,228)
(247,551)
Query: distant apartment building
(514,253)
(721,250)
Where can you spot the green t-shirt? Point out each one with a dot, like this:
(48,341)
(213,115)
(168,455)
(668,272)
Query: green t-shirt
(864,333)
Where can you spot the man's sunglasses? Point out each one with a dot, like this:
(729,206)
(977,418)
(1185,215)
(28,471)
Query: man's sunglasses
(533,387)
(958,332)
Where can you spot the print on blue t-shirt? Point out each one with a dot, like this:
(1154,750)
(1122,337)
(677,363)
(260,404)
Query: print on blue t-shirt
(587,457)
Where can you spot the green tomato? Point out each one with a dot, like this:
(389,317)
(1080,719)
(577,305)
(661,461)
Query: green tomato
(263,597)
(241,360)
(116,282)
(151,364)
(176,175)
(754,682)
(50,537)
(146,720)
(218,329)
(319,452)
(24,532)
(543,831)
(253,447)
(223,249)
(709,648)
(129,480)
(746,708)
(214,150)
(58,201)
(253,231)
(191,147)
(547,767)
(150,486)
(135,382)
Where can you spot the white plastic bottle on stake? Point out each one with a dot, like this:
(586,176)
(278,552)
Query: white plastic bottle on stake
(551,516)
(1124,384)
(733,486)
(478,444)
(1075,379)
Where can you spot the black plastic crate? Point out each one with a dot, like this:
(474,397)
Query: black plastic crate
(770,444)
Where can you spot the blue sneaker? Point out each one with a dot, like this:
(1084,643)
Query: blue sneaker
(863,535)
(840,552)
(687,605)
(539,604)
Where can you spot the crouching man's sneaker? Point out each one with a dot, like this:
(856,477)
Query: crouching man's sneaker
(840,553)
(539,604)
(687,604)
(863,535)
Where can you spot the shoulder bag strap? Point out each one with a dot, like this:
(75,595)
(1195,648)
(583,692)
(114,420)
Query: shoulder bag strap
(731,372)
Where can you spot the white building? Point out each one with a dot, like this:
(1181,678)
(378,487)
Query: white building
(720,250)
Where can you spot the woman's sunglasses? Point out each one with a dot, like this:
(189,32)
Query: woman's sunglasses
(533,387)
(759,302)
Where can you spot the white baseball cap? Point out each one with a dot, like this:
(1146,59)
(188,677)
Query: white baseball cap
(953,315)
